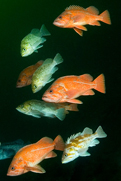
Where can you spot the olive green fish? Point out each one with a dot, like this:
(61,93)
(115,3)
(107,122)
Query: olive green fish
(38,108)
(43,74)
(32,41)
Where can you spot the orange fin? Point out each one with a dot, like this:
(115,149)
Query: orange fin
(105,17)
(36,169)
(89,92)
(39,63)
(92,10)
(81,27)
(59,143)
(80,32)
(51,154)
(95,23)
(72,93)
(75,101)
(74,7)
(45,140)
(86,77)
(100,83)
(77,18)
(73,107)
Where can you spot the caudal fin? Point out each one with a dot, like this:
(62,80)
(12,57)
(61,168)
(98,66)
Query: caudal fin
(100,83)
(105,17)
(100,132)
(44,31)
(58,59)
(59,143)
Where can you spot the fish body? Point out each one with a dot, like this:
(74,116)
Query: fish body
(38,108)
(27,158)
(78,144)
(25,76)
(6,153)
(7,150)
(76,17)
(32,41)
(43,74)
(67,88)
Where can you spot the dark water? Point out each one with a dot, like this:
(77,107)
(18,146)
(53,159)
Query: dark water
(98,51)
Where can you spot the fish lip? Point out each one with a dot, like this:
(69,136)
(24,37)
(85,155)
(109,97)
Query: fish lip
(57,23)
(18,86)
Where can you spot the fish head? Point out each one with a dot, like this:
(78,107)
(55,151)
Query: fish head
(22,81)
(25,108)
(69,154)
(36,84)
(26,49)
(54,94)
(62,20)
(17,167)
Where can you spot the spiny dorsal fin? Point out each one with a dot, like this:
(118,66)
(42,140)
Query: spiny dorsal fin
(73,7)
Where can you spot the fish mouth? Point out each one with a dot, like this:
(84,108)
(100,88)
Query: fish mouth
(19,86)
(45,98)
(56,23)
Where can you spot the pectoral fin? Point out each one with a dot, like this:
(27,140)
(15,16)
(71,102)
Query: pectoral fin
(36,114)
(36,169)
(72,93)
(76,101)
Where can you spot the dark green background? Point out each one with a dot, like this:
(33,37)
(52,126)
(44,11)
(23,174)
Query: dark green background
(98,51)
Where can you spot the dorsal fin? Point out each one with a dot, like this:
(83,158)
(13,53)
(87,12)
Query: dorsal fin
(92,10)
(87,131)
(45,140)
(73,7)
(86,77)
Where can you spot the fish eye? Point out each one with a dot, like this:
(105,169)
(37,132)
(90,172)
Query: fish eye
(50,91)
(60,17)
(24,49)
(35,86)
(22,105)
(65,155)
(19,80)
(12,168)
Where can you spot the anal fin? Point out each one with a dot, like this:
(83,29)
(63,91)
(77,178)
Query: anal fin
(51,154)
(89,92)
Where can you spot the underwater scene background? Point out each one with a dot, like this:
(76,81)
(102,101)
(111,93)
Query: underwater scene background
(96,52)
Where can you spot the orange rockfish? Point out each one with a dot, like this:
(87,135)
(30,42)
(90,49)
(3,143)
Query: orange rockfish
(25,77)
(78,144)
(76,17)
(67,88)
(28,157)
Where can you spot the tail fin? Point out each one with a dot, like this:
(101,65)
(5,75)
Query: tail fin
(44,31)
(105,17)
(100,132)
(59,143)
(100,83)
(60,114)
(58,59)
